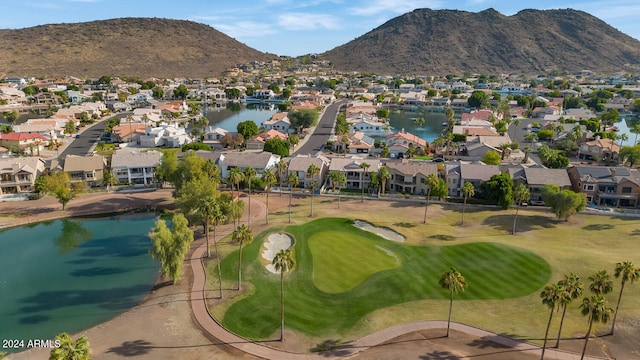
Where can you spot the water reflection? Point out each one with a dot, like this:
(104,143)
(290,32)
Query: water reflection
(72,235)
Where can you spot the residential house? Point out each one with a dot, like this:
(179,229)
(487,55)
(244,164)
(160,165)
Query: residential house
(606,186)
(259,161)
(410,176)
(129,132)
(47,98)
(536,177)
(165,135)
(300,164)
(87,169)
(474,173)
(18,175)
(401,141)
(257,142)
(213,137)
(135,168)
(606,150)
(279,121)
(360,107)
(353,170)
(368,125)
(359,143)
(578,114)
(33,143)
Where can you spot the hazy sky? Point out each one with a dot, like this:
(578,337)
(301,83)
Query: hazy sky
(290,27)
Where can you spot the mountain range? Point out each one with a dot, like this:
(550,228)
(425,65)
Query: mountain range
(423,41)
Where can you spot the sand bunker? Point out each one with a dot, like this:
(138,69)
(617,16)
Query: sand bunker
(273,245)
(381,231)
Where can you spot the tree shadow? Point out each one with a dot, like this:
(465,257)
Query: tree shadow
(487,342)
(97,271)
(405,224)
(34,319)
(332,348)
(593,227)
(635,232)
(132,348)
(440,355)
(442,237)
(525,222)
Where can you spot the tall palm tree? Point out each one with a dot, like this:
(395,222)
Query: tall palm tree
(364,166)
(628,272)
(595,308)
(236,176)
(204,210)
(312,171)
(504,147)
(551,297)
(292,180)
(601,283)
(384,175)
(68,349)
(572,290)
(269,178)
(282,166)
(520,194)
(419,121)
(531,137)
(622,138)
(338,179)
(283,262)
(242,235)
(218,217)
(432,182)
(249,173)
(345,143)
(516,123)
(527,151)
(467,191)
(453,281)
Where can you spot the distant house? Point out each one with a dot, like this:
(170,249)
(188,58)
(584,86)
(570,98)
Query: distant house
(300,164)
(87,169)
(351,167)
(606,150)
(606,186)
(279,121)
(474,173)
(135,168)
(368,126)
(213,137)
(18,175)
(410,176)
(399,142)
(32,143)
(257,142)
(165,135)
(259,161)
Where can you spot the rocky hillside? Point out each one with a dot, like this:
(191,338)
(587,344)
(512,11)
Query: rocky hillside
(128,47)
(447,41)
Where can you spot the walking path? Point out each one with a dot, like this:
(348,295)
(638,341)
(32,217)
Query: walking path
(216,330)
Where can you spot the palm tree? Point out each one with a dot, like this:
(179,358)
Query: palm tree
(218,217)
(453,281)
(345,143)
(204,210)
(635,129)
(269,178)
(527,151)
(516,123)
(628,272)
(572,290)
(292,180)
(312,171)
(601,284)
(338,179)
(504,147)
(241,235)
(531,137)
(68,349)
(384,175)
(551,296)
(467,191)
(282,166)
(236,176)
(622,138)
(364,166)
(595,307)
(520,194)
(249,173)
(419,121)
(283,262)
(432,182)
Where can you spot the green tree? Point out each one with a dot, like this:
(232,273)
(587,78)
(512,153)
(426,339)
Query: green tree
(181,92)
(478,99)
(248,129)
(69,349)
(596,310)
(292,180)
(232,93)
(242,235)
(364,166)
(419,121)
(70,127)
(384,175)
(171,246)
(269,179)
(293,140)
(167,171)
(498,190)
(382,113)
(627,272)
(551,297)
(520,194)
(601,283)
(59,184)
(635,129)
(572,290)
(277,146)
(467,191)
(283,262)
(564,203)
(312,171)
(305,118)
(491,157)
(454,282)
(435,187)
(630,154)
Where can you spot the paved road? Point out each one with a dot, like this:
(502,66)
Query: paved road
(322,132)
(88,138)
(517,134)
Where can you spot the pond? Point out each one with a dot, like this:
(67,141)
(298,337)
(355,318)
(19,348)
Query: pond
(230,116)
(429,131)
(71,274)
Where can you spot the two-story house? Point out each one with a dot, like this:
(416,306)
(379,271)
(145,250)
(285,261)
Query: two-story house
(18,175)
(279,121)
(259,161)
(135,168)
(357,174)
(410,176)
(606,150)
(300,164)
(87,169)
(606,186)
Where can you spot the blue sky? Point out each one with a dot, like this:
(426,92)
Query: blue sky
(290,27)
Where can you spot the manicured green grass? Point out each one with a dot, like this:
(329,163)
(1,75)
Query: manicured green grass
(334,273)
(493,271)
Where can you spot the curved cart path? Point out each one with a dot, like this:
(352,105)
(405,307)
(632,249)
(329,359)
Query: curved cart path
(216,330)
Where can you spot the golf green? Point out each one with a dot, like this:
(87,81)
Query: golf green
(344,273)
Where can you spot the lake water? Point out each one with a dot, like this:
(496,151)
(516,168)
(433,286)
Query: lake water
(229,117)
(71,274)
(430,130)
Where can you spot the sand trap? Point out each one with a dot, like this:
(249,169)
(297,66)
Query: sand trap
(381,231)
(273,245)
